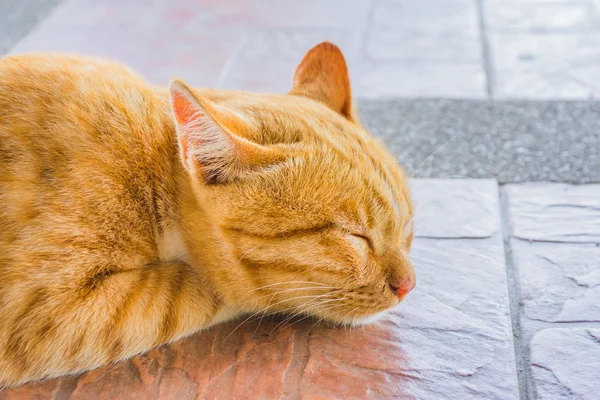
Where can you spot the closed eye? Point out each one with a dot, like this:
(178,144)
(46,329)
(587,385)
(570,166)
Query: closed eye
(283,234)
(364,238)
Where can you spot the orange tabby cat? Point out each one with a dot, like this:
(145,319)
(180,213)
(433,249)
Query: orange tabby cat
(131,216)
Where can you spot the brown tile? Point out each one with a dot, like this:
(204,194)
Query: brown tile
(208,365)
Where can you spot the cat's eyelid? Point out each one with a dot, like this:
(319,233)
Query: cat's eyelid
(283,234)
(365,238)
(355,230)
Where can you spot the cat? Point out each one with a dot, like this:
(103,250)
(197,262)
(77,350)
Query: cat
(132,216)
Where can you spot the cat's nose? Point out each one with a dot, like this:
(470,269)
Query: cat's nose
(401,287)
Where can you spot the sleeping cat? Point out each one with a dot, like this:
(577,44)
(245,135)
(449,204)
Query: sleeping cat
(131,216)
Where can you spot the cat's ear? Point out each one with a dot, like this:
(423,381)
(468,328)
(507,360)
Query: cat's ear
(323,76)
(207,147)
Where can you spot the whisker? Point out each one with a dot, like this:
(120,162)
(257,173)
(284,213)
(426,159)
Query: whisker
(323,317)
(279,302)
(292,290)
(431,155)
(306,307)
(291,283)
(371,307)
(312,308)
(244,254)
(315,324)
(327,309)
(301,305)
(263,314)
(348,316)
(331,315)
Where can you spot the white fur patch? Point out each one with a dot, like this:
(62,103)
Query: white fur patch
(171,246)
(368,319)
(224,314)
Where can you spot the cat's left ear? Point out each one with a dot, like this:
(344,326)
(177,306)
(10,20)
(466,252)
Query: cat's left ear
(323,76)
(208,144)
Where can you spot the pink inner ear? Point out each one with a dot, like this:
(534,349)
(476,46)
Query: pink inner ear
(184,114)
(183,109)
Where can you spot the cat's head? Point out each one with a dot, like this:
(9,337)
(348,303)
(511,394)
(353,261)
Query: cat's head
(315,212)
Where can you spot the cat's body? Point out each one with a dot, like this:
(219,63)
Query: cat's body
(131,216)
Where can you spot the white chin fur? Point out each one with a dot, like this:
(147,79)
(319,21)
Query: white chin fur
(367,320)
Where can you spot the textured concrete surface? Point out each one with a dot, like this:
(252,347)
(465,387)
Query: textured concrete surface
(514,141)
(556,213)
(564,363)
(543,49)
(555,265)
(440,203)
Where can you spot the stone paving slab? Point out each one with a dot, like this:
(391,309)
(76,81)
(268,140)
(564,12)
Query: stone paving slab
(540,16)
(555,212)
(163,42)
(424,30)
(418,79)
(440,204)
(267,60)
(450,339)
(534,49)
(556,255)
(548,65)
(565,363)
(256,45)
(559,282)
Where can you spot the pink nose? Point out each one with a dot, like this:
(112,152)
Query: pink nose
(402,287)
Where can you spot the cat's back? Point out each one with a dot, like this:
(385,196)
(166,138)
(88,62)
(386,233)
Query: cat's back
(82,141)
(55,84)
(75,114)
(41,90)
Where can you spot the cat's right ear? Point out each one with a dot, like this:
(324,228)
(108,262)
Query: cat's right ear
(323,76)
(207,147)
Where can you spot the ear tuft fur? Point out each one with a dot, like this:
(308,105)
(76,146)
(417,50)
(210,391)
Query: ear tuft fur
(206,147)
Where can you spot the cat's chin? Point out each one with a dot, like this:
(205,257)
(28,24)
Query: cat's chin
(366,320)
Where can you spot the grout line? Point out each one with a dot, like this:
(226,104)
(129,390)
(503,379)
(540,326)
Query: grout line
(485,49)
(514,296)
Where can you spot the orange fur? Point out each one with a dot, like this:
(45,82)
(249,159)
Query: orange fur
(131,216)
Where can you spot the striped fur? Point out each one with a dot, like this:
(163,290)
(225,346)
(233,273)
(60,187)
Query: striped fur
(131,216)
